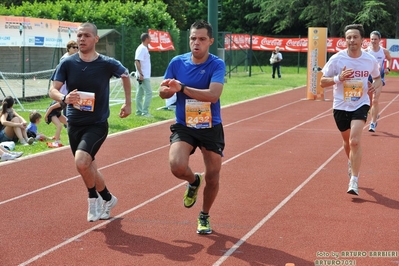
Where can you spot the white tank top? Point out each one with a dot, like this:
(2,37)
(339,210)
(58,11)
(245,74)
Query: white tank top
(379,55)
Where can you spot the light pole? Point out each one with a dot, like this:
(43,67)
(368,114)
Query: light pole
(22,33)
(213,19)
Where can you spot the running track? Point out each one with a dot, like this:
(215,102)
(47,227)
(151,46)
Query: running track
(282,198)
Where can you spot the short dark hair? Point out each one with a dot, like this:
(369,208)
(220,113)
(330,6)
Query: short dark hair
(33,116)
(202,24)
(144,36)
(358,27)
(90,25)
(375,32)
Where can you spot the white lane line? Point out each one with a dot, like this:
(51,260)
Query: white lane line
(76,237)
(77,176)
(228,253)
(170,190)
(116,163)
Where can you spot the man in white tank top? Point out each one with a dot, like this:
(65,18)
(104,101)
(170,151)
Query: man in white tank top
(381,54)
(348,71)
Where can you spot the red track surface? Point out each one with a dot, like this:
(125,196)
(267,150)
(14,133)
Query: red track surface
(282,198)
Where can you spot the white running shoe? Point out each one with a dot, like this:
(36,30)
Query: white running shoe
(107,206)
(353,188)
(17,154)
(95,209)
(372,127)
(7,157)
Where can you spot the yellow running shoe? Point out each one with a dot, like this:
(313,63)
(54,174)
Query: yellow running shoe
(204,227)
(190,196)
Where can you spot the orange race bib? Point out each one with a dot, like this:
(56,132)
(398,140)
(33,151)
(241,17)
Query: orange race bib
(353,90)
(198,114)
(86,102)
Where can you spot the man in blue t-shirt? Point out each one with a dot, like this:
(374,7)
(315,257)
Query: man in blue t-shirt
(197,78)
(87,74)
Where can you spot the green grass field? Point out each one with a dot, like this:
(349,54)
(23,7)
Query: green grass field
(239,87)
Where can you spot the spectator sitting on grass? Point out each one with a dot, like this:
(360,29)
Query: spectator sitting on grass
(12,125)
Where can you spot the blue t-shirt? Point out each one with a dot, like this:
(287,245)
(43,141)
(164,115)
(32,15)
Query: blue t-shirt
(198,76)
(89,77)
(32,127)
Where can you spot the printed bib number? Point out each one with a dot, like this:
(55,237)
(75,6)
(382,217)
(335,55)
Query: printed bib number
(198,114)
(353,90)
(86,102)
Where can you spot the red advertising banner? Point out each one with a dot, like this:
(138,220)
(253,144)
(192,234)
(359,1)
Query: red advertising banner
(261,43)
(160,41)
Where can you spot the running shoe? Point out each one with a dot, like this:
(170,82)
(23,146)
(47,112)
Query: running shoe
(107,206)
(95,209)
(204,227)
(372,127)
(353,188)
(31,140)
(7,157)
(17,154)
(190,196)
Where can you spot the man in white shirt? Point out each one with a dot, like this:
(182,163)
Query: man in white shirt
(348,71)
(381,54)
(143,74)
(275,60)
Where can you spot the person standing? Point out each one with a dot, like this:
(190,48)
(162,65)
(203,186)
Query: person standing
(348,71)
(275,60)
(54,114)
(143,73)
(71,48)
(381,54)
(87,74)
(197,78)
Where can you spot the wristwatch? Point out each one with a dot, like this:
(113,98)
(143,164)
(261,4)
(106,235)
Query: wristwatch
(182,86)
(63,98)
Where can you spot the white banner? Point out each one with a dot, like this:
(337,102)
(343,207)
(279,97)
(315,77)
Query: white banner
(36,32)
(393,48)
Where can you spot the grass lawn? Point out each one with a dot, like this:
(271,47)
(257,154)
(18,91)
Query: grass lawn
(238,87)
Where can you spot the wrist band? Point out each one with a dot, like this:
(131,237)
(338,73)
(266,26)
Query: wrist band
(336,79)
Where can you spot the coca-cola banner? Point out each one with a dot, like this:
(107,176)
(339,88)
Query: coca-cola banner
(160,41)
(261,43)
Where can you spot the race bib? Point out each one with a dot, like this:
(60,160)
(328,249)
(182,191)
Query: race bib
(353,90)
(198,114)
(86,102)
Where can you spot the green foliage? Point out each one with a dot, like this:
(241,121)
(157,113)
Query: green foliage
(333,14)
(153,14)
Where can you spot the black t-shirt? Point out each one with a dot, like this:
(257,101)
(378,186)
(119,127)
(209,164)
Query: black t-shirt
(91,77)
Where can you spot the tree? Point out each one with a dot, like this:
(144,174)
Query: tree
(129,19)
(333,14)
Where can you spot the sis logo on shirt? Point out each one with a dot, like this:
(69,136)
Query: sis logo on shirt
(359,74)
